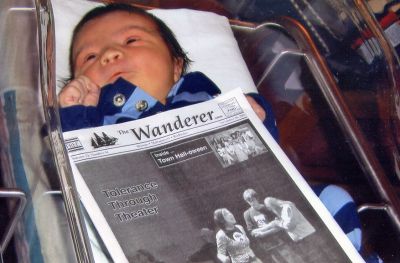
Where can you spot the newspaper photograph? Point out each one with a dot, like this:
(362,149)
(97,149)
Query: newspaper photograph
(204,183)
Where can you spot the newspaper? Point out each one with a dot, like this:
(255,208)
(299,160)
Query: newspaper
(202,183)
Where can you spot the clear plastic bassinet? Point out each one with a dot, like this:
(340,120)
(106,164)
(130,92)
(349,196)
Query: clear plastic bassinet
(329,68)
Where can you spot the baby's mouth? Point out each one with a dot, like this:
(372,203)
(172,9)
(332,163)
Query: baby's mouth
(115,76)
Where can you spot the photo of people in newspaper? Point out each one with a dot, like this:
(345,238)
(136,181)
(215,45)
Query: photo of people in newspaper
(236,145)
(270,227)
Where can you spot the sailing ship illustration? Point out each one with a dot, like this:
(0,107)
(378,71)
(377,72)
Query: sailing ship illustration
(104,140)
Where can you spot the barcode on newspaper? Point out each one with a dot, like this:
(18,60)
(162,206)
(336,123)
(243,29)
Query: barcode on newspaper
(230,107)
(73,144)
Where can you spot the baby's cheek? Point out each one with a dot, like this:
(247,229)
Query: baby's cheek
(95,77)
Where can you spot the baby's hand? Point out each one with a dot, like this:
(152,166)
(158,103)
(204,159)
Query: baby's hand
(257,108)
(80,91)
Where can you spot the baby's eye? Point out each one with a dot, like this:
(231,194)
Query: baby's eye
(90,57)
(131,40)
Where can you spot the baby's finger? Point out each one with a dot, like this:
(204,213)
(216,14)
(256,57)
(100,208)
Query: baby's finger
(80,84)
(93,93)
(257,108)
(69,96)
(73,93)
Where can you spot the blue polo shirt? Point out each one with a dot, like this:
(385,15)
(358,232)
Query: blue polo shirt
(122,101)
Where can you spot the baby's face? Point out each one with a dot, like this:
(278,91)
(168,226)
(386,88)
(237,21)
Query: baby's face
(125,45)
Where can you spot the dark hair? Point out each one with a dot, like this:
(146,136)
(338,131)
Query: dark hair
(219,218)
(165,32)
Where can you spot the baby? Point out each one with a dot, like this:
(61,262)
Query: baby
(126,64)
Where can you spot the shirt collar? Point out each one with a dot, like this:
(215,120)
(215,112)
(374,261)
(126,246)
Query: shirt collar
(174,90)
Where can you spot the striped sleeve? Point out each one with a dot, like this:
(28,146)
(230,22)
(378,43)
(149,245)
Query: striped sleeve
(343,209)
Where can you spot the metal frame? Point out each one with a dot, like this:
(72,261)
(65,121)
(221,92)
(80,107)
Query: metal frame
(15,216)
(47,74)
(367,159)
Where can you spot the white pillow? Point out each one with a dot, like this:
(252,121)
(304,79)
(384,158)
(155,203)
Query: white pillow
(205,36)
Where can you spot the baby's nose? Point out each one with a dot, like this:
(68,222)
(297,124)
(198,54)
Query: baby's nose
(110,56)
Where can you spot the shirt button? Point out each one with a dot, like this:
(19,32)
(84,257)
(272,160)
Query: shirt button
(119,100)
(141,105)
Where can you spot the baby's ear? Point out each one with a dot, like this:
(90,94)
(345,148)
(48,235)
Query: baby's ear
(178,67)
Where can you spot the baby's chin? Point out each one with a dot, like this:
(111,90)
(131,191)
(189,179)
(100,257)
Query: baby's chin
(112,81)
(120,75)
(115,81)
(115,77)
